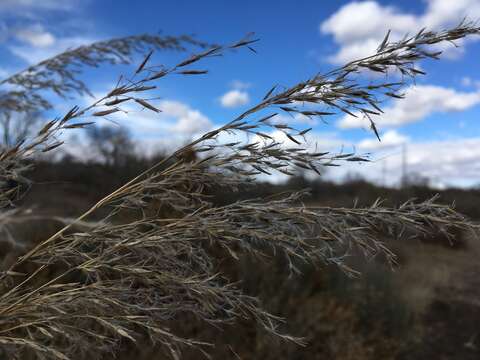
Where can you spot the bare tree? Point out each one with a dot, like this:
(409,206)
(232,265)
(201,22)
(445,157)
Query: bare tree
(111,144)
(17,126)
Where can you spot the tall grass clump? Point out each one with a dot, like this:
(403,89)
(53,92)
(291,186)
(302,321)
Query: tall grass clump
(153,259)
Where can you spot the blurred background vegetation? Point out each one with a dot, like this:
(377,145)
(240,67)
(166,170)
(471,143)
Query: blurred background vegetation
(425,307)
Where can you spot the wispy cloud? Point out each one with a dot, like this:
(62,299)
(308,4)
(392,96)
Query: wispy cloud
(34,53)
(29,34)
(240,85)
(25,7)
(469,82)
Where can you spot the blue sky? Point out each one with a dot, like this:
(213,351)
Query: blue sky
(438,121)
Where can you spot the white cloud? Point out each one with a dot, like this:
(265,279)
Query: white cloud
(176,125)
(176,120)
(444,163)
(452,162)
(303,119)
(36,36)
(360,26)
(188,121)
(390,139)
(33,55)
(315,142)
(234,98)
(419,102)
(444,12)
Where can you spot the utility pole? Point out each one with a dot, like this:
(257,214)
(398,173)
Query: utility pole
(403,180)
(384,172)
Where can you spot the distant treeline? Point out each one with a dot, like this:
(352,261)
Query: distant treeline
(70,186)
